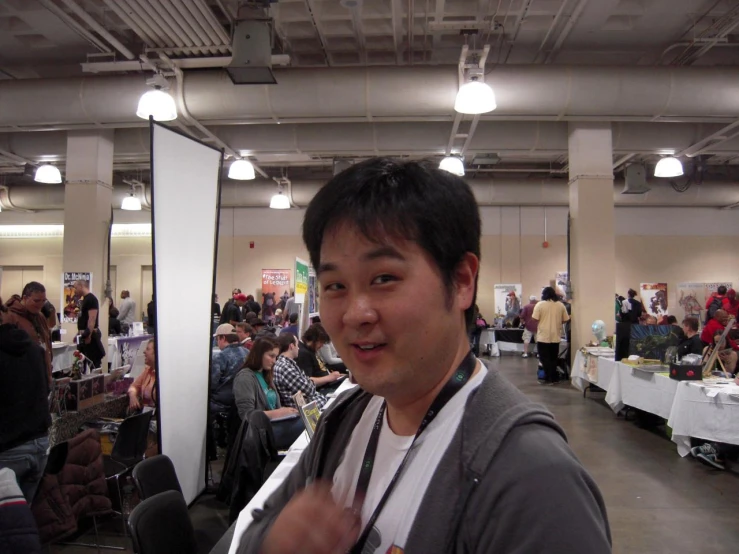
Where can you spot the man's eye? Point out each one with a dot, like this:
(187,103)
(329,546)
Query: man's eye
(382,279)
(334,287)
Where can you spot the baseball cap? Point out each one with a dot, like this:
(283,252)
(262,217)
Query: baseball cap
(241,297)
(225,329)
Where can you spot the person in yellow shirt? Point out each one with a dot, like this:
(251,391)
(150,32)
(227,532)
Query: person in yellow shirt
(551,314)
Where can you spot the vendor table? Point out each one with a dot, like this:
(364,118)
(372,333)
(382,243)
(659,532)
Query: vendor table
(62,356)
(509,340)
(67,425)
(124,350)
(229,543)
(697,409)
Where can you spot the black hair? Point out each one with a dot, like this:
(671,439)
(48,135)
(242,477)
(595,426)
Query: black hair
(293,318)
(32,288)
(285,340)
(692,323)
(722,290)
(315,319)
(632,293)
(411,200)
(672,320)
(315,333)
(113,311)
(548,294)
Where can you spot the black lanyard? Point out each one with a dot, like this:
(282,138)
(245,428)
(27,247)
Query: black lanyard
(458,380)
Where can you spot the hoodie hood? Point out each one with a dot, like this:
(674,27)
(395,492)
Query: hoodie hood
(14,341)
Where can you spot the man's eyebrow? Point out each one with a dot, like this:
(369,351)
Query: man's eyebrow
(382,252)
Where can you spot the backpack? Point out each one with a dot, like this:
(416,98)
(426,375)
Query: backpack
(715,306)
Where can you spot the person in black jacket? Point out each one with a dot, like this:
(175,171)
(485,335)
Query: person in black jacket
(151,315)
(24,408)
(692,343)
(313,339)
(114,324)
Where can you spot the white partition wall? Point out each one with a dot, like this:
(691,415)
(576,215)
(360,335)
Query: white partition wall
(185,201)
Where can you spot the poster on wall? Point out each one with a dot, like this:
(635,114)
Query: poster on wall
(312,293)
(301,280)
(562,282)
(654,298)
(275,287)
(70,298)
(508,305)
(692,298)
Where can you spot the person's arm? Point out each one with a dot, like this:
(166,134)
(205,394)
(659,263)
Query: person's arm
(327,354)
(244,394)
(535,476)
(125,308)
(326,379)
(537,312)
(135,391)
(216,370)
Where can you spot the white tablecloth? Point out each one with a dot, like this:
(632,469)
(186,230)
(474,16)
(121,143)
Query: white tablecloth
(276,479)
(695,414)
(593,370)
(651,392)
(63,358)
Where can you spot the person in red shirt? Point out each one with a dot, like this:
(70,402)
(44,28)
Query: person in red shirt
(717,325)
(731,304)
(721,295)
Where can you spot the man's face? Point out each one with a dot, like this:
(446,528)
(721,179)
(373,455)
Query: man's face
(79,288)
(241,334)
(687,330)
(35,302)
(240,303)
(370,296)
(293,350)
(221,342)
(723,318)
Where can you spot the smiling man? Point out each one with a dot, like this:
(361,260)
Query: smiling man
(433,452)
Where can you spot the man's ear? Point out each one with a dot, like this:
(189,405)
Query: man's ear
(465,280)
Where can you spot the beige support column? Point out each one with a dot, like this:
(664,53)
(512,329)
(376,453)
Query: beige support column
(88,193)
(592,241)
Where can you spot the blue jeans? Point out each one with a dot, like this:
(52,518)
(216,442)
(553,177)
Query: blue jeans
(28,461)
(286,431)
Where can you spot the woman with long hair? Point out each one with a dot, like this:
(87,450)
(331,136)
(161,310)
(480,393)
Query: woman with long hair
(254,390)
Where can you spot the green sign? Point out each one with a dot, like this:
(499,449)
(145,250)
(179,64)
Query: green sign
(301,277)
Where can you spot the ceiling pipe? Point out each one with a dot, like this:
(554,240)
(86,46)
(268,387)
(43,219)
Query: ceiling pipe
(76,27)
(488,192)
(144,34)
(536,92)
(99,29)
(184,20)
(565,31)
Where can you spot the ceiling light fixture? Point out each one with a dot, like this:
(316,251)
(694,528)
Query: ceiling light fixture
(453,164)
(48,174)
(157,103)
(475,97)
(279,202)
(668,167)
(241,170)
(131,203)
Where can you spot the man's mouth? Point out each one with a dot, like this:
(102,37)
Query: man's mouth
(368,347)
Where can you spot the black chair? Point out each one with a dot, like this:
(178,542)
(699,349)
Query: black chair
(155,475)
(128,450)
(161,525)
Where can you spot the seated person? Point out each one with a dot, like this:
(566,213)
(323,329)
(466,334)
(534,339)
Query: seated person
(279,319)
(142,393)
(726,356)
(289,378)
(293,325)
(254,390)
(245,332)
(672,320)
(313,339)
(692,344)
(716,325)
(328,354)
(649,320)
(226,364)
(114,325)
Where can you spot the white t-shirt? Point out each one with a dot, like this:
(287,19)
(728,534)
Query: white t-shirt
(392,527)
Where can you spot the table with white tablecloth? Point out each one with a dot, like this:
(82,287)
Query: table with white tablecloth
(62,356)
(689,407)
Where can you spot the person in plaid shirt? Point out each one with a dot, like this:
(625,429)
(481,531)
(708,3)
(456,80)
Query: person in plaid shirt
(289,378)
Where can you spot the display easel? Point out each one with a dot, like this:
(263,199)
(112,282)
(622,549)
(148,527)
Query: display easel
(709,365)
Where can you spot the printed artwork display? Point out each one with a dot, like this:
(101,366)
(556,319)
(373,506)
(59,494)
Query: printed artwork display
(654,297)
(301,280)
(652,341)
(70,298)
(275,286)
(692,298)
(507,305)
(562,281)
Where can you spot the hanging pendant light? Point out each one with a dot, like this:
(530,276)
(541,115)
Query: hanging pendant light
(158,104)
(131,203)
(475,97)
(241,170)
(48,174)
(279,201)
(453,164)
(668,167)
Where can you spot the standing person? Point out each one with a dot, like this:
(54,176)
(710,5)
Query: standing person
(530,325)
(151,316)
(636,308)
(293,325)
(228,303)
(512,306)
(25,311)
(24,407)
(445,470)
(114,324)
(717,301)
(216,310)
(127,311)
(232,312)
(731,306)
(90,343)
(550,314)
(252,305)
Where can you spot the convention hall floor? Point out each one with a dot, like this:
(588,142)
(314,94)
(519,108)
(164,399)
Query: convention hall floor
(657,502)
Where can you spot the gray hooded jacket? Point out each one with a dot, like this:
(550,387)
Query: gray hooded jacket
(508,483)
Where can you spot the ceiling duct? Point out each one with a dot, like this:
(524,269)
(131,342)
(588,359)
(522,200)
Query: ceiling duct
(635,179)
(252,53)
